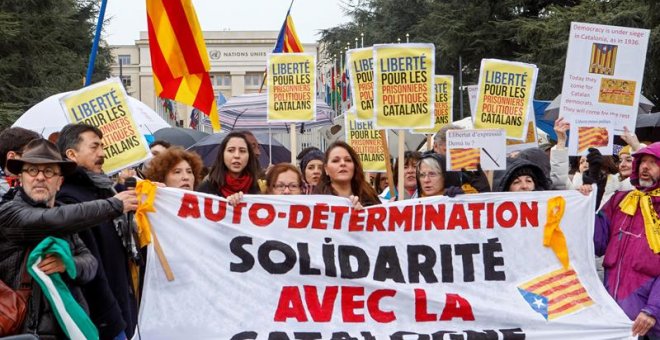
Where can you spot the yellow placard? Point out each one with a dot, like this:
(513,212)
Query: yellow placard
(291,85)
(403,86)
(105,106)
(444,100)
(506,91)
(366,142)
(361,72)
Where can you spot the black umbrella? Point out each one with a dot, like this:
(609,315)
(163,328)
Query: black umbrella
(209,146)
(180,136)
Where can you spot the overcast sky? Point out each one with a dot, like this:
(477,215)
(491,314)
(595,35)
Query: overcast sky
(128,17)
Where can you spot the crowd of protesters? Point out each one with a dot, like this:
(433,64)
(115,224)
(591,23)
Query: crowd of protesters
(60,190)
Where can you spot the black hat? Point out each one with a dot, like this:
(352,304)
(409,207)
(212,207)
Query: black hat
(41,151)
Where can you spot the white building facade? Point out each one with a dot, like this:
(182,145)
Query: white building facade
(238,61)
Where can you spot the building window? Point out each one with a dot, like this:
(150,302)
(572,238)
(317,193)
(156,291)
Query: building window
(124,59)
(126,81)
(253,79)
(223,79)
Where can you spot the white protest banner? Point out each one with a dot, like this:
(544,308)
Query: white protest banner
(105,106)
(468,148)
(591,133)
(311,267)
(603,74)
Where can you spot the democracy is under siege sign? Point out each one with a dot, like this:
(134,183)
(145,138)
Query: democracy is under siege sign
(505,98)
(403,86)
(366,141)
(104,105)
(444,98)
(312,267)
(291,82)
(360,65)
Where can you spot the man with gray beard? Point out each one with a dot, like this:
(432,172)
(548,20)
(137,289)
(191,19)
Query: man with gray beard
(627,232)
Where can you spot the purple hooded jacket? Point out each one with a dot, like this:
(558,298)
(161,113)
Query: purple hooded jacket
(631,267)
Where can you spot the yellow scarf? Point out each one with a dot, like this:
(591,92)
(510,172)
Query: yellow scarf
(553,236)
(629,206)
(146,192)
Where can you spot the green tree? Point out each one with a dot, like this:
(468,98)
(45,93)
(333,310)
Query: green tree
(44,49)
(523,30)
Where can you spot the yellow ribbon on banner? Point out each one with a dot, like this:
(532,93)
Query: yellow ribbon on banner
(553,237)
(643,200)
(146,193)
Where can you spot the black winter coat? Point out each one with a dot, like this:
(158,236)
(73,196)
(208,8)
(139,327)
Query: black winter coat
(112,303)
(23,224)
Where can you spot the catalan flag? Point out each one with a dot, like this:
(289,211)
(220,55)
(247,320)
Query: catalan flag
(178,56)
(555,294)
(464,158)
(287,40)
(591,137)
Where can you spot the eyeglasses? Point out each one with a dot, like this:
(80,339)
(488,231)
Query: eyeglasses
(430,175)
(282,186)
(34,172)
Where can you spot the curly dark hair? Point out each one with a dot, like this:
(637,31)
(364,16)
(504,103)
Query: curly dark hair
(359,184)
(161,165)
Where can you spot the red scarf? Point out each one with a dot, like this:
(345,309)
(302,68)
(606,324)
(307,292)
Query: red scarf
(236,184)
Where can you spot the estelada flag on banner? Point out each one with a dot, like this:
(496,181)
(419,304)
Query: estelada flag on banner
(555,294)
(178,56)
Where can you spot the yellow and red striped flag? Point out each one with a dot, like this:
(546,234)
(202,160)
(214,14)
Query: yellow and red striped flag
(178,56)
(592,137)
(555,294)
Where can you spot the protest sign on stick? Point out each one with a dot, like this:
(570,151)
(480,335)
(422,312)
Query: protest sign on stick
(105,106)
(403,86)
(603,74)
(472,266)
(366,142)
(291,82)
(361,73)
(468,148)
(505,97)
(443,101)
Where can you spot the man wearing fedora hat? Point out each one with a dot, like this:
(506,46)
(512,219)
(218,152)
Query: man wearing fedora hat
(33,215)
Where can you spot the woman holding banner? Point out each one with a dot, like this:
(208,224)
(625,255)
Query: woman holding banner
(176,168)
(235,169)
(433,178)
(344,176)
